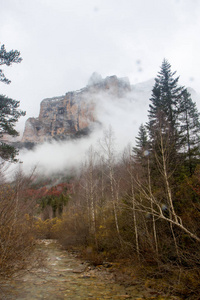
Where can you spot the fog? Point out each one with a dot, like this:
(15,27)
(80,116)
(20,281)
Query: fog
(124,115)
(62,42)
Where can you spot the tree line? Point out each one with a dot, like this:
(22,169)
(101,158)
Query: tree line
(143,205)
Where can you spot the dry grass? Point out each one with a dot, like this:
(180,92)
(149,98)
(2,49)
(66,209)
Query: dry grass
(16,231)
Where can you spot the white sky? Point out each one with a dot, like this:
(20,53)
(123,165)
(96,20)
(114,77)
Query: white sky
(62,42)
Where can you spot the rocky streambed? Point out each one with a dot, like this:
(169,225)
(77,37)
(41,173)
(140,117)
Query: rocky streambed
(60,275)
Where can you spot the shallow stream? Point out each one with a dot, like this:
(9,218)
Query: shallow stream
(61,275)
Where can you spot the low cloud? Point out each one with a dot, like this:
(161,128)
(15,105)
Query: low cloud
(124,115)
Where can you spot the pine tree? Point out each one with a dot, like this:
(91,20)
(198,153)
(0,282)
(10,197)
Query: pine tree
(164,108)
(189,118)
(9,112)
(7,58)
(141,147)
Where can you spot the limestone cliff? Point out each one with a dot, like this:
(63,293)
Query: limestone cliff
(73,114)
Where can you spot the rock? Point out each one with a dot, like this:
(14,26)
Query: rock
(80,269)
(73,114)
(107,265)
(95,79)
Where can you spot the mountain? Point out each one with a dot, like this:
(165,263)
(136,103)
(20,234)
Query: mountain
(109,101)
(73,114)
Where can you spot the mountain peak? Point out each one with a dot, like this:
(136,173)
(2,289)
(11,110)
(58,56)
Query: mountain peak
(95,78)
(72,115)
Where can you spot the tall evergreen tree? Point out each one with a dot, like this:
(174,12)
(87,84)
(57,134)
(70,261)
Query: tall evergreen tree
(141,142)
(189,119)
(9,112)
(164,106)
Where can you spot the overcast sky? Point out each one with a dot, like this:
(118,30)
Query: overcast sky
(62,42)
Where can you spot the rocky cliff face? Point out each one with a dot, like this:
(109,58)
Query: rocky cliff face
(73,114)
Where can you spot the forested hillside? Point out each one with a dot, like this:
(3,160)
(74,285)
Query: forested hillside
(141,207)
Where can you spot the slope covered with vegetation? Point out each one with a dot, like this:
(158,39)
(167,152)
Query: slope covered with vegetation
(142,207)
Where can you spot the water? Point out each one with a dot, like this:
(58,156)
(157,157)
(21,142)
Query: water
(62,276)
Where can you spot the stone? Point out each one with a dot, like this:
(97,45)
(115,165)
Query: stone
(72,115)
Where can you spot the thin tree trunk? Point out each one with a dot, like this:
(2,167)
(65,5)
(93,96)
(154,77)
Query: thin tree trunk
(153,217)
(169,194)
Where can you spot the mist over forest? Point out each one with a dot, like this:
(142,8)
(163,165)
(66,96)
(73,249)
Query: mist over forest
(99,149)
(123,115)
(111,172)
